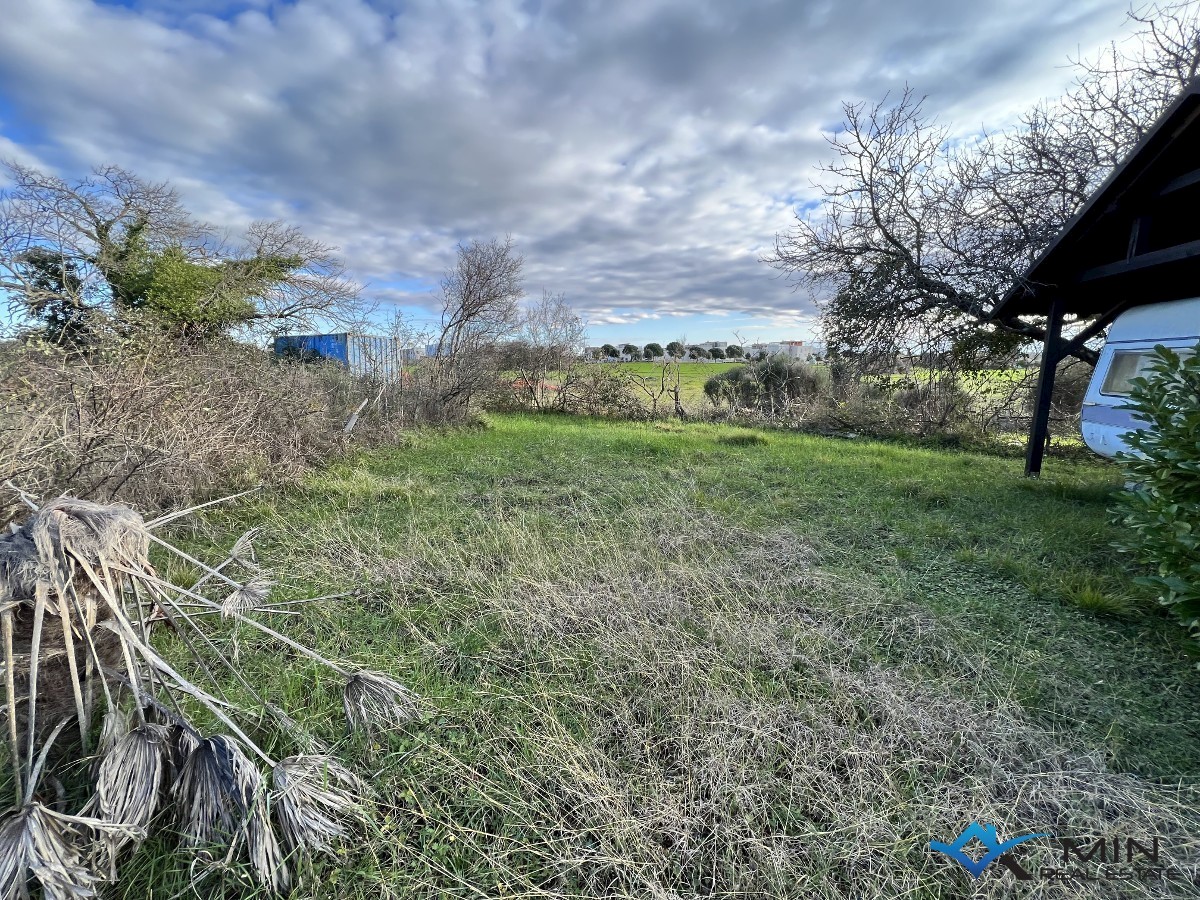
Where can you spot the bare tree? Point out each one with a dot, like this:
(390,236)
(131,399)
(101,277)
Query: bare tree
(480,309)
(660,386)
(549,340)
(918,237)
(480,296)
(314,286)
(73,253)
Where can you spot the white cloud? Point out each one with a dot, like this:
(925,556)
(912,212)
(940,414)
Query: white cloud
(643,154)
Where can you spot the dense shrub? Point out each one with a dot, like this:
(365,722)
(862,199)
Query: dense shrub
(768,385)
(986,409)
(168,425)
(596,390)
(934,404)
(1162,507)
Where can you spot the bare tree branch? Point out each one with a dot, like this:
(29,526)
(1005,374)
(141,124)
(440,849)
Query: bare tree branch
(918,237)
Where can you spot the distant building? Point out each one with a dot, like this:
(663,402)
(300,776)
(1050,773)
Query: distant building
(791,349)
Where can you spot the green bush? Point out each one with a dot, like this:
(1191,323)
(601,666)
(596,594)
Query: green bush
(1161,508)
(768,385)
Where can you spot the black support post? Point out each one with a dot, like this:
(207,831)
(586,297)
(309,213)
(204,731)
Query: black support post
(1051,355)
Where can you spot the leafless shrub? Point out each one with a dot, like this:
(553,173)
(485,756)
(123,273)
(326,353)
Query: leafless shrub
(598,389)
(547,345)
(480,296)
(164,427)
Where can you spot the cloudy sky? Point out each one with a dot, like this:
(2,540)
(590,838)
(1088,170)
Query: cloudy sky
(643,154)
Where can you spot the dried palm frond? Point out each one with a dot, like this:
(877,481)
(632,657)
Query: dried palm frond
(117,723)
(266,856)
(373,700)
(224,800)
(95,532)
(242,550)
(181,743)
(79,602)
(129,781)
(316,801)
(210,796)
(63,853)
(248,596)
(56,568)
(178,514)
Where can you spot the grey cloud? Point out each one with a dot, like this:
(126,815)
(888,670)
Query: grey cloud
(643,154)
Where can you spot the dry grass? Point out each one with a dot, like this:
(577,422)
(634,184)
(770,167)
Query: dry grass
(689,708)
(738,743)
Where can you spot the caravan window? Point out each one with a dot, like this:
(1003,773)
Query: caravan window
(1127,365)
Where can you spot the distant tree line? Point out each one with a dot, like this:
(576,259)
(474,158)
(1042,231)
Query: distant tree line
(677,350)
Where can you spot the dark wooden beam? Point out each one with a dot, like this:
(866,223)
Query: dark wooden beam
(1186,180)
(1139,236)
(1094,328)
(1178,253)
(1039,428)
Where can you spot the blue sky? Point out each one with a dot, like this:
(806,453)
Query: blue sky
(643,155)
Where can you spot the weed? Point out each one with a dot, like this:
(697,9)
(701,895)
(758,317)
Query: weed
(1094,596)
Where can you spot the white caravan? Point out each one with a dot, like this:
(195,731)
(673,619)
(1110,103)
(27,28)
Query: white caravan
(1126,355)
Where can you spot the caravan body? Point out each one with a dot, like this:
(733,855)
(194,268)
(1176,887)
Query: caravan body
(1126,355)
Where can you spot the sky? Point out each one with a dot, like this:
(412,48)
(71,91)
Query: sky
(643,155)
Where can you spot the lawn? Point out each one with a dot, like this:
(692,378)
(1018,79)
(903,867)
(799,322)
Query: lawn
(692,376)
(664,660)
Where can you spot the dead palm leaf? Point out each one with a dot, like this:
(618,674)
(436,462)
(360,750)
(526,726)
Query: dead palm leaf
(222,801)
(208,794)
(373,700)
(246,597)
(129,781)
(117,723)
(63,853)
(316,802)
(78,604)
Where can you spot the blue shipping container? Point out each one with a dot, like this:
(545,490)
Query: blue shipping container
(365,355)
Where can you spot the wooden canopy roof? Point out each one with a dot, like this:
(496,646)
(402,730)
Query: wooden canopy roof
(1137,239)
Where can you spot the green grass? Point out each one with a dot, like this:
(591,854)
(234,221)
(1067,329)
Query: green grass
(692,376)
(680,659)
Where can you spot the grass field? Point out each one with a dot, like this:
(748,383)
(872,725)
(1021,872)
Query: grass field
(671,660)
(692,376)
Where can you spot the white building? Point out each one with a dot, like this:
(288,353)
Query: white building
(799,350)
